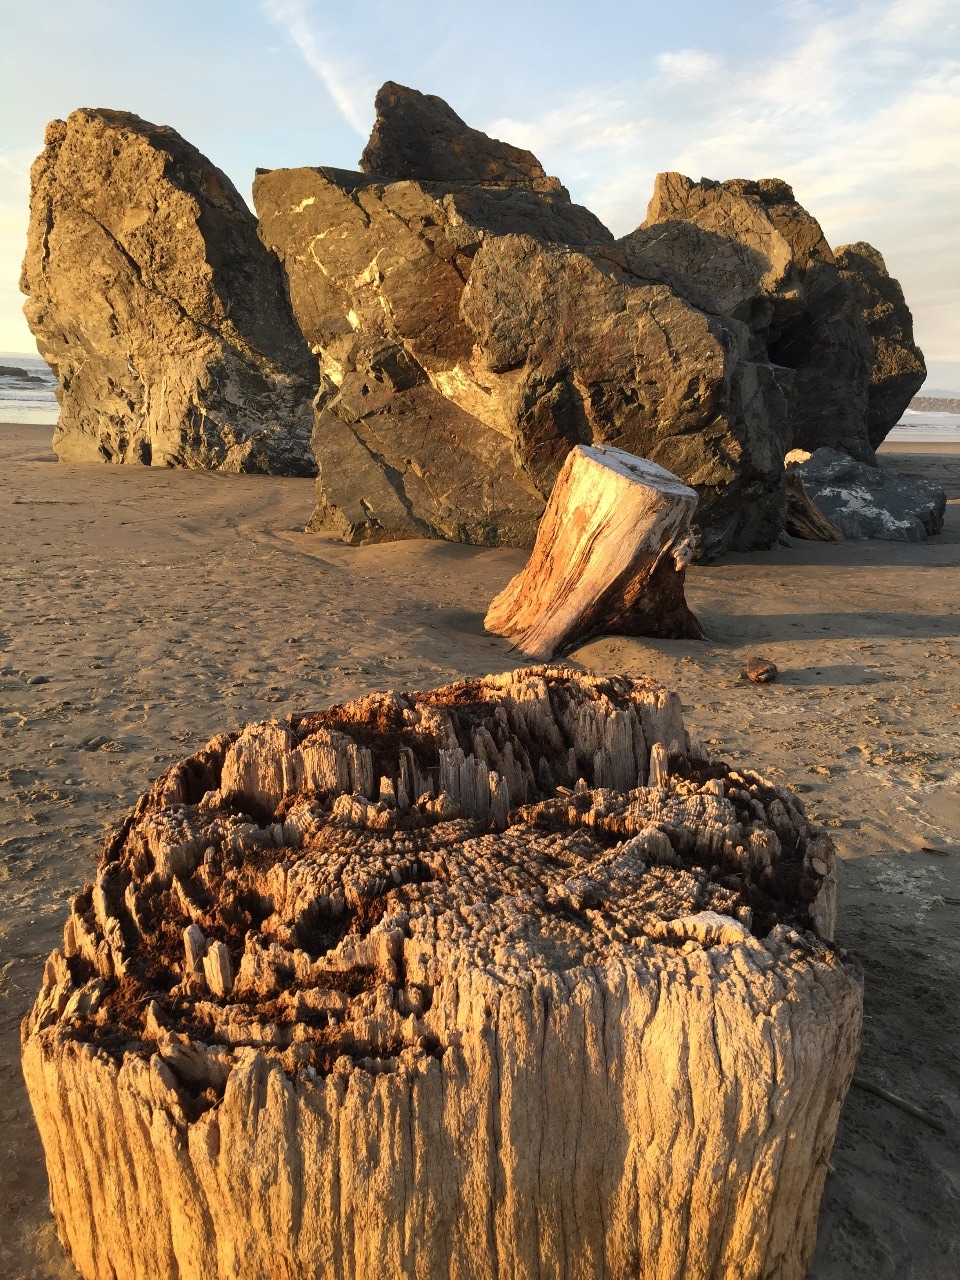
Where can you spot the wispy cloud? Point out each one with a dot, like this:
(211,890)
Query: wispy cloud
(15,168)
(351,91)
(688,65)
(585,122)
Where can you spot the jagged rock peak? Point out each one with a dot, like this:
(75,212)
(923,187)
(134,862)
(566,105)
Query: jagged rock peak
(670,186)
(418,135)
(740,201)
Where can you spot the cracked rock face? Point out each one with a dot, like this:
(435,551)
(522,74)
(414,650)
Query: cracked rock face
(471,312)
(161,313)
(764,260)
(506,978)
(898,368)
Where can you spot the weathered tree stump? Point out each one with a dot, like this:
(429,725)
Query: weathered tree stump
(505,979)
(610,556)
(803,518)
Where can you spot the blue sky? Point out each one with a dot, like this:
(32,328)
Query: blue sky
(857,105)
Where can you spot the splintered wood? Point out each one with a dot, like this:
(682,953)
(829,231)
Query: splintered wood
(610,556)
(803,518)
(504,979)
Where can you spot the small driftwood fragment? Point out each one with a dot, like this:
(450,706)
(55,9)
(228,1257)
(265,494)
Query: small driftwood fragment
(803,518)
(503,979)
(610,557)
(761,670)
(896,1101)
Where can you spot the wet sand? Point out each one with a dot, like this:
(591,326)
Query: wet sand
(143,611)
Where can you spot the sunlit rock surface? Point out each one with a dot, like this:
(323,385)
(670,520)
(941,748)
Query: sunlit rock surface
(154,302)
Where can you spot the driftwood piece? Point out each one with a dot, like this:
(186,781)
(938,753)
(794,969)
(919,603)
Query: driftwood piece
(505,979)
(610,557)
(803,518)
(896,1101)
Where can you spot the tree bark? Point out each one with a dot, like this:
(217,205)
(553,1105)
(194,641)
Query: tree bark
(804,519)
(610,557)
(502,979)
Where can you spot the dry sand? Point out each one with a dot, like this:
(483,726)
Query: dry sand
(143,611)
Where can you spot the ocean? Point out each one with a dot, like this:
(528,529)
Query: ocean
(923,427)
(31,399)
(27,389)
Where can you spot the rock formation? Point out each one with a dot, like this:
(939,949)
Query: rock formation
(16,374)
(473,312)
(763,259)
(865,502)
(503,979)
(472,324)
(935,403)
(898,367)
(161,313)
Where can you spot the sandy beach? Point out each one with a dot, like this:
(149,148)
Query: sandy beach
(144,610)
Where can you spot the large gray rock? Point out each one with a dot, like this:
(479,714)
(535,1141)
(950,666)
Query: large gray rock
(764,260)
(154,302)
(583,351)
(869,503)
(376,274)
(471,334)
(898,367)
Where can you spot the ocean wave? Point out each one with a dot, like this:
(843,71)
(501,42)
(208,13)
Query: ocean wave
(27,390)
(918,415)
(927,428)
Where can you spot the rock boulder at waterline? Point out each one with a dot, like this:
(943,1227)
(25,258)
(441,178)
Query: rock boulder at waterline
(153,300)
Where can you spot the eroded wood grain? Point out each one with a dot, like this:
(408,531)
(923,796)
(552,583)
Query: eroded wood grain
(505,979)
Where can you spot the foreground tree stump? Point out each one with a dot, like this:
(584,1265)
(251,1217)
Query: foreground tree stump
(505,979)
(610,556)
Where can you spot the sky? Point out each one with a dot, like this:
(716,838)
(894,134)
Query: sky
(856,105)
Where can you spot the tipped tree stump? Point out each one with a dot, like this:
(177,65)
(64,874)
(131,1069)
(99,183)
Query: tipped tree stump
(610,556)
(803,518)
(506,979)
